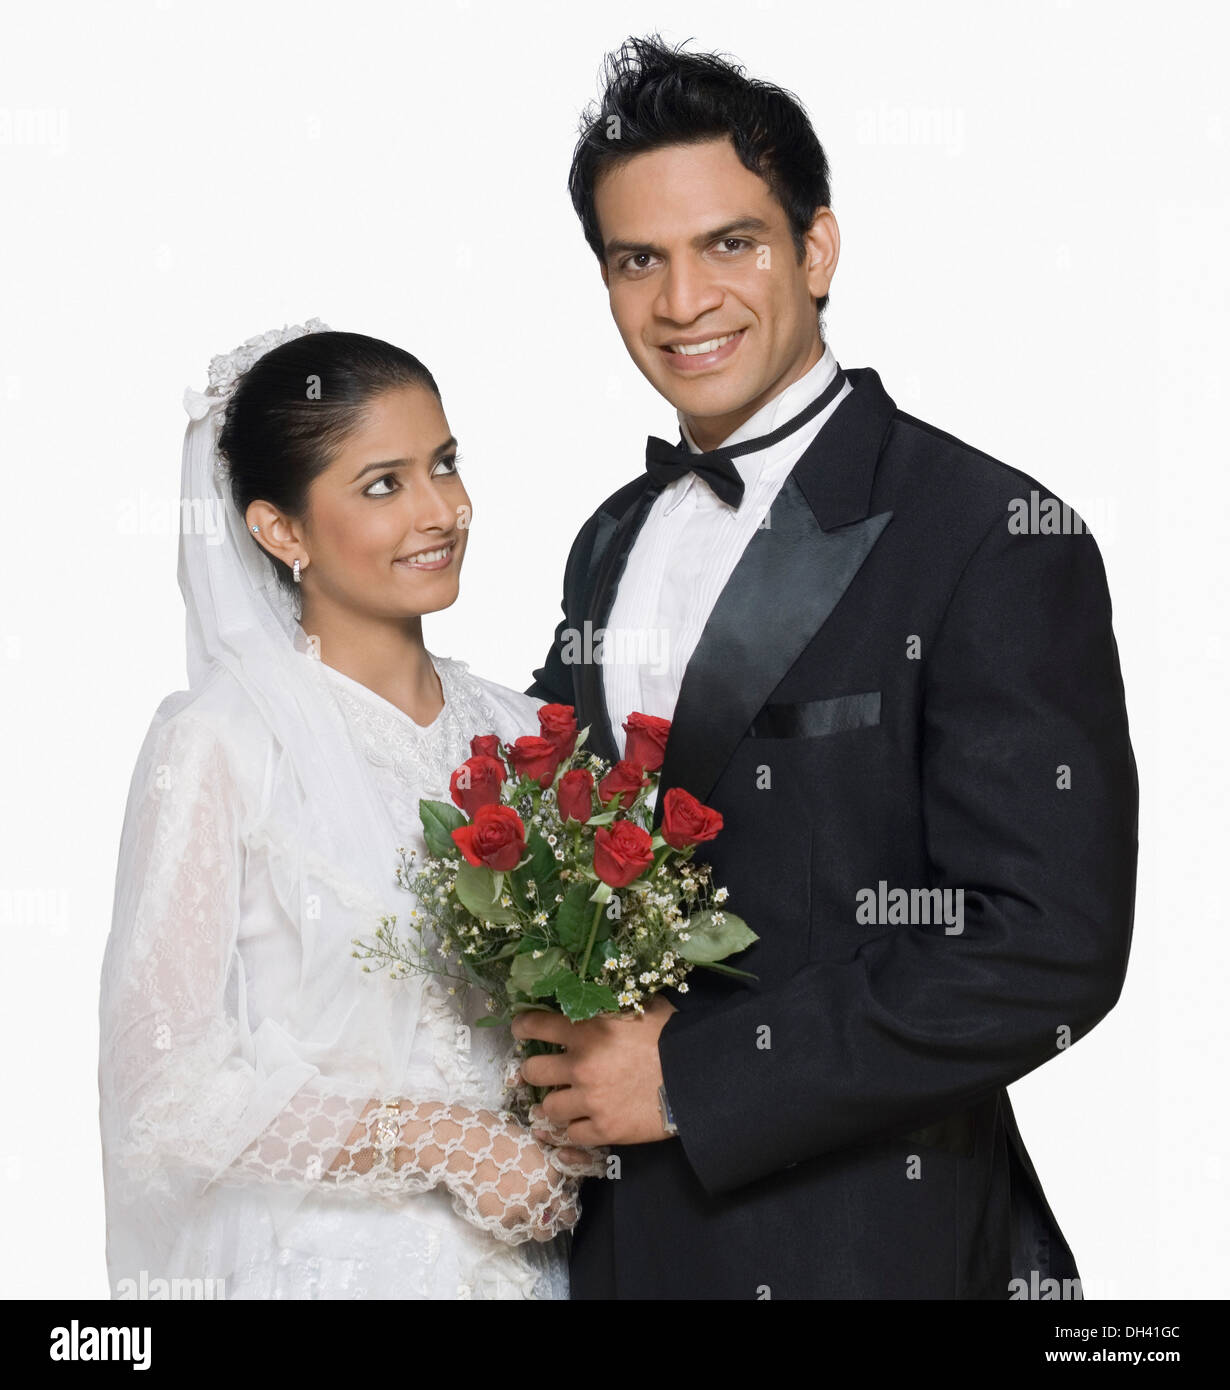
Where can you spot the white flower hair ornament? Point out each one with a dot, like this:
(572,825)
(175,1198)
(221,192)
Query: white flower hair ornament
(226,369)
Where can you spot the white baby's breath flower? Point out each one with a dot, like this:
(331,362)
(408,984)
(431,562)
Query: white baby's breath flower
(721,895)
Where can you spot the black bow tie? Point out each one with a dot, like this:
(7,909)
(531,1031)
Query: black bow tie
(665,462)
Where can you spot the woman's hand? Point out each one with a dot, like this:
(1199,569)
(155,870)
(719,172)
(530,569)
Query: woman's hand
(508,1183)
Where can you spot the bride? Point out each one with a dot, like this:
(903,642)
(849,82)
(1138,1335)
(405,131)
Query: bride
(276,1123)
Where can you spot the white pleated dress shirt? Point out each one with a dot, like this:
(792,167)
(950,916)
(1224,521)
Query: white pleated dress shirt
(685,552)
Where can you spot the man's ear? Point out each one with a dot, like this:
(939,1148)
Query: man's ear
(606,279)
(821,246)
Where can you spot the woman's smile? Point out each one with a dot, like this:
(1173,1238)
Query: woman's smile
(437,559)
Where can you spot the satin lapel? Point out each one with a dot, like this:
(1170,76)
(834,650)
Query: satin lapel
(790,577)
(788,580)
(593,709)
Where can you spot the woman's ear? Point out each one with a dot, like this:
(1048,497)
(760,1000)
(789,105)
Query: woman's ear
(276,532)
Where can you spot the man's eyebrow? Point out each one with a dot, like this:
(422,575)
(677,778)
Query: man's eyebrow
(740,224)
(449,443)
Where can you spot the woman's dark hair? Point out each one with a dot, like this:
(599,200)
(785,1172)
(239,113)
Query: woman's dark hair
(656,96)
(292,410)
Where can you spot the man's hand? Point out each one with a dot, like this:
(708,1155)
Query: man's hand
(609,1076)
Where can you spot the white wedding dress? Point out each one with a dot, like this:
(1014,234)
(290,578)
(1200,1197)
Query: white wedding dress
(229,1075)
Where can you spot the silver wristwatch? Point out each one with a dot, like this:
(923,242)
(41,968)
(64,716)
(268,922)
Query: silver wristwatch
(668,1119)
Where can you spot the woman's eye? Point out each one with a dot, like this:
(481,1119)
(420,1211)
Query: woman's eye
(370,491)
(451,460)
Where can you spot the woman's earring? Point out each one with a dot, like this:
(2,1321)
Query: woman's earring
(255,529)
(296,570)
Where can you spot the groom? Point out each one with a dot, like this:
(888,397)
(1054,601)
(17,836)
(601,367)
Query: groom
(889,664)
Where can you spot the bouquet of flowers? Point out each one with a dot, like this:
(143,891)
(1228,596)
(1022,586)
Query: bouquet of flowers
(545,886)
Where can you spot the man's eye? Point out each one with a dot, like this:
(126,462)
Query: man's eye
(627,262)
(451,460)
(738,241)
(370,490)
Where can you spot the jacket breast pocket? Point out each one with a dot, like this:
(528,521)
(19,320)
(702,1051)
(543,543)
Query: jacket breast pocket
(813,718)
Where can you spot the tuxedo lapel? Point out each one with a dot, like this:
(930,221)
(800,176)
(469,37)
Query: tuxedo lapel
(790,577)
(620,536)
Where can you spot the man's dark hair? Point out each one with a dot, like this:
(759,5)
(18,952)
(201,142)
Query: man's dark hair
(656,96)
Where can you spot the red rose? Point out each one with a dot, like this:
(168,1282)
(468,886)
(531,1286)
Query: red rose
(685,821)
(532,756)
(558,723)
(646,741)
(476,783)
(494,838)
(485,746)
(625,778)
(576,794)
(621,853)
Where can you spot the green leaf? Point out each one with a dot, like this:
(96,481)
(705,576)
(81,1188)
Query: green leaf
(539,866)
(476,892)
(578,998)
(601,894)
(573,919)
(527,974)
(603,818)
(711,941)
(438,819)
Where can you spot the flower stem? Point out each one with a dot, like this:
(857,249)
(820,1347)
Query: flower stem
(589,945)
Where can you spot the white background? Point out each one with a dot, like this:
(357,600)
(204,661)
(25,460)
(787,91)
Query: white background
(1034,212)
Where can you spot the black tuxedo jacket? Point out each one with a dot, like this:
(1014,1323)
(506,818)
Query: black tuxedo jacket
(898,686)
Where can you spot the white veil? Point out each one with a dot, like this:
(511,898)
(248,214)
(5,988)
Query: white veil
(240,618)
(256,748)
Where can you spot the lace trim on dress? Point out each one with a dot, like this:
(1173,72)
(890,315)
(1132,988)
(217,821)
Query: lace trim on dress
(421,756)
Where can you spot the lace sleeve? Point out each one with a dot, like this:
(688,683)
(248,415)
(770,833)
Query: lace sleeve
(185,1101)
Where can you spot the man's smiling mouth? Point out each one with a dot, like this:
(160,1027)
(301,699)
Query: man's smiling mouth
(688,358)
(695,349)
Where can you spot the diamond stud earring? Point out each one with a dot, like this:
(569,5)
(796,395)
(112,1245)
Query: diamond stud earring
(256,528)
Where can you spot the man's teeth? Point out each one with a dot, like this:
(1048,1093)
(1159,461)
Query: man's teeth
(694,349)
(429,556)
